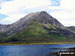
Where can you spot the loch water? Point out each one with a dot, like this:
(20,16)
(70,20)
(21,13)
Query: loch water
(32,50)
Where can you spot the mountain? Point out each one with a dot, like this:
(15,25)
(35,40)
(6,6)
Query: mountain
(41,17)
(36,27)
(72,28)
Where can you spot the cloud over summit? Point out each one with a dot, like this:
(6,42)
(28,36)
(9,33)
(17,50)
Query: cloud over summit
(63,10)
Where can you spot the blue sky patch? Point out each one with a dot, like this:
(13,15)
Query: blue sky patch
(8,0)
(55,2)
(3,16)
(4,0)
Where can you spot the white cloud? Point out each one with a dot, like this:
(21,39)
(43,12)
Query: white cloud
(11,19)
(65,13)
(68,4)
(15,7)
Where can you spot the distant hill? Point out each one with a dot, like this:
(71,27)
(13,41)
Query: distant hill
(37,27)
(72,28)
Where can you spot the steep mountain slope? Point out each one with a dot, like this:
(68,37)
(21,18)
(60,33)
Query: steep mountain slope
(37,32)
(37,27)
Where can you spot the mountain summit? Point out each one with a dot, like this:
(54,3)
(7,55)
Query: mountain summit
(38,26)
(41,17)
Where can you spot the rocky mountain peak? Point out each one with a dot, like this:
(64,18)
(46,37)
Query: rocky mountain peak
(40,17)
(46,18)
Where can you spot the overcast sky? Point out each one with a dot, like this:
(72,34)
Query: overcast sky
(13,10)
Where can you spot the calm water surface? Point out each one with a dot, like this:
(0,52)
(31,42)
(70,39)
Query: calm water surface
(31,50)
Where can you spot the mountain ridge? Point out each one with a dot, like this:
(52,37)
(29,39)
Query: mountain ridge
(38,26)
(25,20)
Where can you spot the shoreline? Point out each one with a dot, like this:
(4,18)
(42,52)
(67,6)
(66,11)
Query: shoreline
(41,43)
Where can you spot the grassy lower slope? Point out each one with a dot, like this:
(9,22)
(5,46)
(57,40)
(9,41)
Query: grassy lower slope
(36,32)
(2,37)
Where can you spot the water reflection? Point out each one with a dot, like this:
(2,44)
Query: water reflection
(63,52)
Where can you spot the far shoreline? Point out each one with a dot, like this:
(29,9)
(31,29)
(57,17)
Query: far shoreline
(40,43)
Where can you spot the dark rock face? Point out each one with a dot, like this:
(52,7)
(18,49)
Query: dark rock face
(45,18)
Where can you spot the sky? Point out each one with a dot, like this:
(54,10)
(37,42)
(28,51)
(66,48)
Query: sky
(12,10)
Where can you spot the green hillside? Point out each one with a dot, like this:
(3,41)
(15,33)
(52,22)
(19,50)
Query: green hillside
(36,32)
